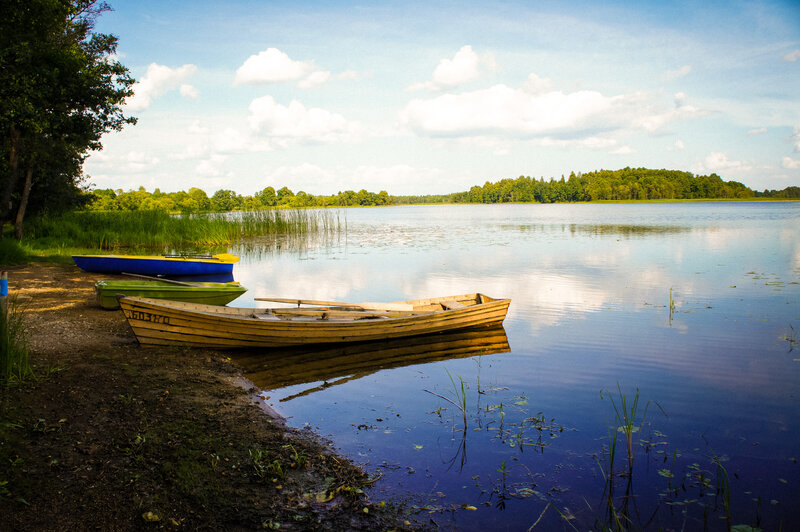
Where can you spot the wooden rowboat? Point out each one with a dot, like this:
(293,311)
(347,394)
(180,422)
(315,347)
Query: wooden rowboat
(157,322)
(208,293)
(158,265)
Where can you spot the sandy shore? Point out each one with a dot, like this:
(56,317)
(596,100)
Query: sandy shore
(118,437)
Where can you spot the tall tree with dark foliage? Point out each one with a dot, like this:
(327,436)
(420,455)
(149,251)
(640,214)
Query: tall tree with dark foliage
(61,89)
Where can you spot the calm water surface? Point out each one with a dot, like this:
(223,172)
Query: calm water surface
(694,307)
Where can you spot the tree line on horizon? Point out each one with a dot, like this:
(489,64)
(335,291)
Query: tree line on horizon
(622,185)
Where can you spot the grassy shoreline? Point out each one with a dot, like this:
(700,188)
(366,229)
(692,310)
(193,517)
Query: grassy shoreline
(56,239)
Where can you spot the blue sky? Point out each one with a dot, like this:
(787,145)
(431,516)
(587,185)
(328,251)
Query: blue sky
(434,97)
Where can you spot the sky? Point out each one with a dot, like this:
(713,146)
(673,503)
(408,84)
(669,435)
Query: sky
(434,97)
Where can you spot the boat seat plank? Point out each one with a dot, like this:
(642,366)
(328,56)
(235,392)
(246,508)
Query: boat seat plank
(453,305)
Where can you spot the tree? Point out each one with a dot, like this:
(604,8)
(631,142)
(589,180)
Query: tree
(61,89)
(267,197)
(224,200)
(200,199)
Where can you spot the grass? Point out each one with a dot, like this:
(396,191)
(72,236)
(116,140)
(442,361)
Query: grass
(625,419)
(459,396)
(15,366)
(157,230)
(11,252)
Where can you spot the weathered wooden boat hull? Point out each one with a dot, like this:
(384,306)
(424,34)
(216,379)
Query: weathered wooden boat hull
(173,323)
(207,293)
(155,265)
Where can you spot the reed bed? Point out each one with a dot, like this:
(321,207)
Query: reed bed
(159,230)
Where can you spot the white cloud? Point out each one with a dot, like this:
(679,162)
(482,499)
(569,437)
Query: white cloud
(274,66)
(758,131)
(622,150)
(677,146)
(196,127)
(790,164)
(502,110)
(397,179)
(231,140)
(271,66)
(211,167)
(796,138)
(348,75)
(592,143)
(189,91)
(678,73)
(299,123)
(462,68)
(459,70)
(792,56)
(315,78)
(136,161)
(536,85)
(158,80)
(718,162)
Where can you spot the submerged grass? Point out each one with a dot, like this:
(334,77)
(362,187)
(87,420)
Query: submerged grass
(109,231)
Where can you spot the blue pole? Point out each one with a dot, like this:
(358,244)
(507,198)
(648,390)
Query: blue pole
(4,294)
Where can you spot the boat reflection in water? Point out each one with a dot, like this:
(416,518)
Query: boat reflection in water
(337,364)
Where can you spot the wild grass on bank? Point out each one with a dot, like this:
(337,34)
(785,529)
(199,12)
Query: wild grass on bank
(11,252)
(159,230)
(15,366)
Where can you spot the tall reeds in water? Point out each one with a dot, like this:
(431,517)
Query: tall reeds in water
(15,366)
(628,421)
(159,230)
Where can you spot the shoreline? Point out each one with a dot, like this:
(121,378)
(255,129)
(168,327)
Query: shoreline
(115,436)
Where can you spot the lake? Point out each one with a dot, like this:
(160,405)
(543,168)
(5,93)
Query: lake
(674,324)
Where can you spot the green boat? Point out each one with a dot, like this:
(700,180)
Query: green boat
(207,293)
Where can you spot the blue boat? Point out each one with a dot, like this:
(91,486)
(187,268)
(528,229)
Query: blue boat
(158,265)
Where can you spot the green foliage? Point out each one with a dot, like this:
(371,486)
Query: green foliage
(155,229)
(620,185)
(11,252)
(627,184)
(15,367)
(61,89)
(196,200)
(788,193)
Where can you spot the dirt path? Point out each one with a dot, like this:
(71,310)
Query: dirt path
(112,436)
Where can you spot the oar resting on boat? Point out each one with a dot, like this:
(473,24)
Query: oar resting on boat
(338,304)
(162,279)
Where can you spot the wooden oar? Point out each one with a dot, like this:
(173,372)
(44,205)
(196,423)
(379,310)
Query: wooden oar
(147,277)
(364,306)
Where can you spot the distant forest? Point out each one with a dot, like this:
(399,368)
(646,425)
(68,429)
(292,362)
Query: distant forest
(620,185)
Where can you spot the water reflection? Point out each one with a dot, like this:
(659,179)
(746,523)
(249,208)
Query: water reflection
(693,304)
(623,230)
(331,366)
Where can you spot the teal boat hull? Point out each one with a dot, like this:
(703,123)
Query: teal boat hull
(206,293)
